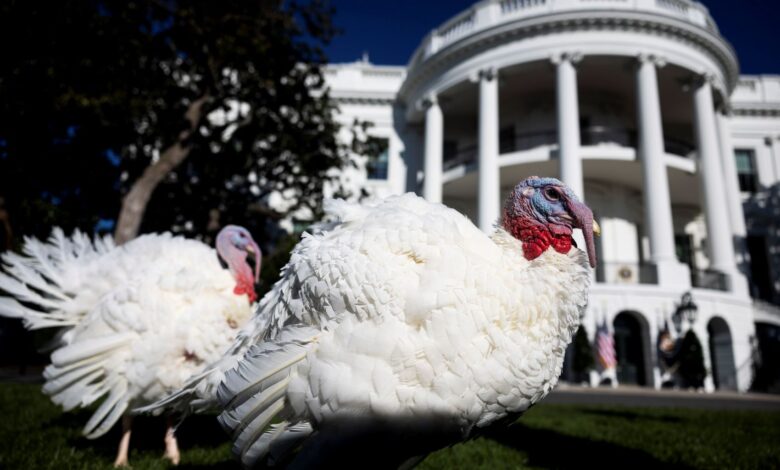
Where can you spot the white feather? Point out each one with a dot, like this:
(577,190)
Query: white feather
(139,320)
(418,313)
(90,347)
(253,392)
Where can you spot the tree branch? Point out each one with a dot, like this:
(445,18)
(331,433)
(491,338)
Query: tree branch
(135,201)
(266,211)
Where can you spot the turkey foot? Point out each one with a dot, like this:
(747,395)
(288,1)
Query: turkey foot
(171,446)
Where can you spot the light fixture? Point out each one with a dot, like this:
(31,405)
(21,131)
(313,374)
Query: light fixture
(686,310)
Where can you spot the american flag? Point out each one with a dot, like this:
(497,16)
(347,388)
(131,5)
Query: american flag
(606,346)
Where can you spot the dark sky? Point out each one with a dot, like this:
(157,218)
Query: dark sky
(390,30)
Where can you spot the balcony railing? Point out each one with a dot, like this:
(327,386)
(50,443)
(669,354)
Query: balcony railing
(529,140)
(491,13)
(626,273)
(709,279)
(594,135)
(464,156)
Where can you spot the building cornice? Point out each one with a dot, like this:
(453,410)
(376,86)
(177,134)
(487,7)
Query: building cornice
(392,71)
(598,20)
(364,101)
(366,98)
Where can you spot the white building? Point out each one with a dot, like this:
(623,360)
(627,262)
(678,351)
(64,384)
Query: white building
(636,104)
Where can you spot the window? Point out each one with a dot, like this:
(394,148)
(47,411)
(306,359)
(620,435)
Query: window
(683,245)
(506,140)
(746,170)
(376,166)
(760,271)
(450,150)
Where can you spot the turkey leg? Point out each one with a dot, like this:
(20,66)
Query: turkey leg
(171,446)
(124,443)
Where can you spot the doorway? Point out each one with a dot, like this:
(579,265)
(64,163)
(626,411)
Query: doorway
(629,347)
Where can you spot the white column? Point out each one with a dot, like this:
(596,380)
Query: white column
(776,156)
(658,206)
(728,162)
(570,162)
(434,145)
(719,236)
(765,170)
(739,280)
(489,176)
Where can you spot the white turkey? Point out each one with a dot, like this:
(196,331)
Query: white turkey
(401,328)
(136,320)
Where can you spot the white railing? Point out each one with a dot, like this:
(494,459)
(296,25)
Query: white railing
(508,6)
(490,13)
(383,73)
(750,84)
(757,89)
(456,28)
(674,5)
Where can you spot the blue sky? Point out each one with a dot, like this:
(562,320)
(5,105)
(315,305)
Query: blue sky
(390,30)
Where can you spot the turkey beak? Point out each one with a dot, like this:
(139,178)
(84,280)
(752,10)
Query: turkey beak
(583,219)
(254,250)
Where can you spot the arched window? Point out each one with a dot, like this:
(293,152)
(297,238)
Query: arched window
(724,374)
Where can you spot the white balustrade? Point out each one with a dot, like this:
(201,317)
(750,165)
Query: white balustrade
(748,83)
(674,5)
(457,28)
(488,14)
(509,6)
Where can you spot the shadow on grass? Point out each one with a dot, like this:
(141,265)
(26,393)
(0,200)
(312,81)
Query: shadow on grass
(197,431)
(549,449)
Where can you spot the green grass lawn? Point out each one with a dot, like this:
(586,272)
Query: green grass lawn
(34,434)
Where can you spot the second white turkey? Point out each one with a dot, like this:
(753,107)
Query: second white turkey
(137,320)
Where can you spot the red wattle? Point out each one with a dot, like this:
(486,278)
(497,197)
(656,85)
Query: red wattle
(244,287)
(537,238)
(562,243)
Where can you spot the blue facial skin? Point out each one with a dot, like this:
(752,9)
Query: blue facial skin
(546,208)
(239,237)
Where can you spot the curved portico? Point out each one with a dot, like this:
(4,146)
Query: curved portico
(489,68)
(633,104)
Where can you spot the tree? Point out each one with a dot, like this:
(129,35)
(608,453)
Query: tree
(691,360)
(762,214)
(583,354)
(163,115)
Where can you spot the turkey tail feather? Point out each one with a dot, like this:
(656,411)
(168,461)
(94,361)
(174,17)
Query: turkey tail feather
(253,394)
(109,411)
(37,282)
(80,374)
(90,348)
